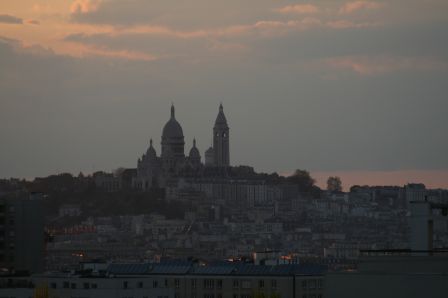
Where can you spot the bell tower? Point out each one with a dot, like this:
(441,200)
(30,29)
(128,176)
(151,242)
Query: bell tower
(221,140)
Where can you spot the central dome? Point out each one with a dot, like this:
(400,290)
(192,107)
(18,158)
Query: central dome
(172,128)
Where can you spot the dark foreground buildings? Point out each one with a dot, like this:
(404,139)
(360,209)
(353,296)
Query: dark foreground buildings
(22,233)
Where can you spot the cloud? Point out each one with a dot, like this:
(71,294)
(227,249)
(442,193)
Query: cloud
(346,24)
(351,7)
(166,42)
(378,65)
(299,9)
(84,6)
(33,22)
(185,15)
(8,19)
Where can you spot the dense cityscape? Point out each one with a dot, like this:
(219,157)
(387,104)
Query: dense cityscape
(223,149)
(188,228)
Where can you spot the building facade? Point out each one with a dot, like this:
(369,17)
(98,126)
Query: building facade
(22,233)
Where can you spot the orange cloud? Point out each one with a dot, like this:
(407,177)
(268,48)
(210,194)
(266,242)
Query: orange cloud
(345,24)
(122,54)
(80,50)
(299,9)
(351,7)
(84,6)
(377,65)
(33,22)
(77,50)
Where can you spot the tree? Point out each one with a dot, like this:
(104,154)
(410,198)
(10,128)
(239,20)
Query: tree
(303,179)
(334,183)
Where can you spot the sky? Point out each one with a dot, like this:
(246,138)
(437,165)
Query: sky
(357,89)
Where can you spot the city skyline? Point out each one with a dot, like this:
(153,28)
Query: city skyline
(349,88)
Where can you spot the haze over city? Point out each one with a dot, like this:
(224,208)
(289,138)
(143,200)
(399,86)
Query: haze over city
(356,89)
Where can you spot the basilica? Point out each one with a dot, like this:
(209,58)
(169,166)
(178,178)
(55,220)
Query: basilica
(160,171)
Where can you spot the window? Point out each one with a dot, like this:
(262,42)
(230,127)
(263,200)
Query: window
(304,284)
(94,286)
(273,283)
(209,296)
(246,284)
(140,284)
(236,283)
(193,283)
(235,295)
(261,283)
(66,285)
(125,285)
(155,284)
(177,283)
(73,286)
(209,283)
(312,284)
(53,285)
(319,283)
(86,285)
(219,284)
(166,283)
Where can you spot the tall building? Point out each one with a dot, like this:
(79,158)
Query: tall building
(221,140)
(22,233)
(155,171)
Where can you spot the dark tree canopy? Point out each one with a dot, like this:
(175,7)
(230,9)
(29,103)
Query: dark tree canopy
(303,179)
(334,184)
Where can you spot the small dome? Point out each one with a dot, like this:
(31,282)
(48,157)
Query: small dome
(172,128)
(209,151)
(151,152)
(194,152)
